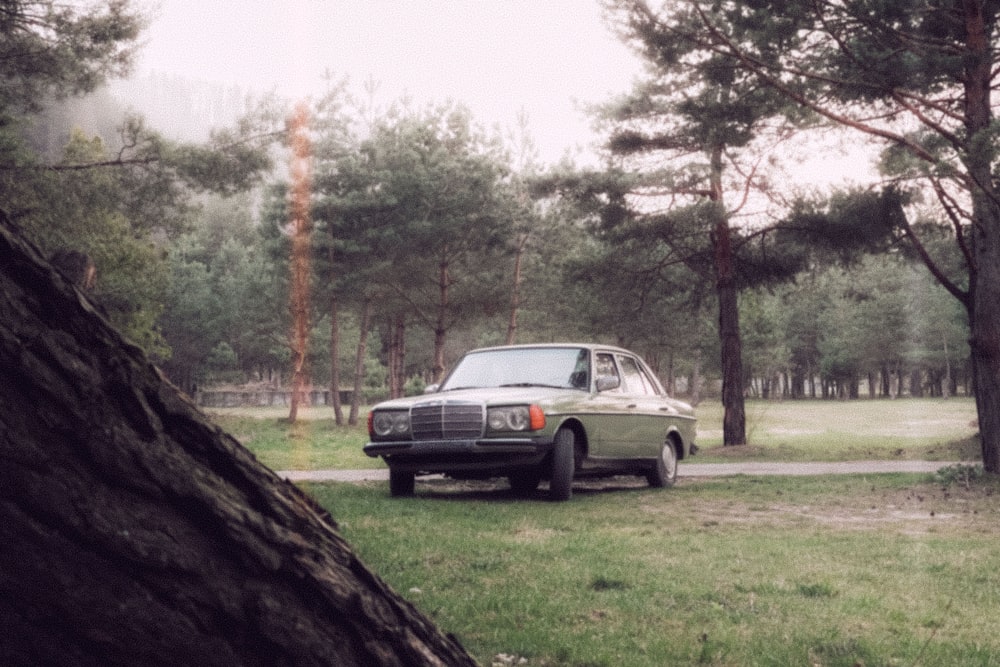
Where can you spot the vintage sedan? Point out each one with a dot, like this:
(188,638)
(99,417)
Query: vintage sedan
(556,412)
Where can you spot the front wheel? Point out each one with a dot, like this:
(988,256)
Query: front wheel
(563,465)
(664,471)
(400,483)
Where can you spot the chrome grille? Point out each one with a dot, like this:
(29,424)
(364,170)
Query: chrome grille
(448,421)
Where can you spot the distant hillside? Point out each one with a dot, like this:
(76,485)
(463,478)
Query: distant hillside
(179,109)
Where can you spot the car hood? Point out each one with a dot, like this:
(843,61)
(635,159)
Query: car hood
(550,399)
(547,397)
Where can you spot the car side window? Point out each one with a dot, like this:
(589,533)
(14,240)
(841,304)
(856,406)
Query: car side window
(606,368)
(636,380)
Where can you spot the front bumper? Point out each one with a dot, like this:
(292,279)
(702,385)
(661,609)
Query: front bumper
(485,456)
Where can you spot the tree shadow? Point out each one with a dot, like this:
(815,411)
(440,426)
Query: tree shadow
(498,490)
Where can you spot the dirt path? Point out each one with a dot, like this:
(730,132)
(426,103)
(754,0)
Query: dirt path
(685,470)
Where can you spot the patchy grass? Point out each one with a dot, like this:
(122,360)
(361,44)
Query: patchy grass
(813,430)
(847,570)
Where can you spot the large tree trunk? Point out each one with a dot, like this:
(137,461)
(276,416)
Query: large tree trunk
(984,302)
(134,532)
(733,401)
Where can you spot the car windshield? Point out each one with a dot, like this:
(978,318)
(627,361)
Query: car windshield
(566,367)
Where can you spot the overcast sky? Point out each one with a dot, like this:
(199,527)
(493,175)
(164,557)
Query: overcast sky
(546,57)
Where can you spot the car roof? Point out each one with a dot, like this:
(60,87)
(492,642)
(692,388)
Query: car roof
(523,346)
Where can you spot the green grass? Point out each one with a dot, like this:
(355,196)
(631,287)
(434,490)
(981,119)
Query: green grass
(932,429)
(839,570)
(314,442)
(853,570)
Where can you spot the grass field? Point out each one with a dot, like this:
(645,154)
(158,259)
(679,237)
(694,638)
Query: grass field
(852,570)
(932,429)
(833,571)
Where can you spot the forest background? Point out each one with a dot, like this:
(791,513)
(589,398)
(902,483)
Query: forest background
(431,234)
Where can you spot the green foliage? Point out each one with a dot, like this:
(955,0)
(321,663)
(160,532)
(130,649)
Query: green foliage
(223,292)
(50,48)
(959,473)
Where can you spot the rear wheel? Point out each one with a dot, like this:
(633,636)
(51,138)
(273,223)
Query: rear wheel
(400,483)
(563,465)
(664,471)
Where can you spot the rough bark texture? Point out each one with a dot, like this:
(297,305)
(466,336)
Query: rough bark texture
(984,311)
(135,532)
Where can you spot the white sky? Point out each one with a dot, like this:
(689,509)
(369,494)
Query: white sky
(499,57)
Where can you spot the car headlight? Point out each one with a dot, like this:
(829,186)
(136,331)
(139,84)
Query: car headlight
(515,418)
(387,423)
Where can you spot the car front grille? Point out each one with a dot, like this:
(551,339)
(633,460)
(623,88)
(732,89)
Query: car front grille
(449,421)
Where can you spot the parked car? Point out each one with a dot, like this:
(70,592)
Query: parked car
(553,412)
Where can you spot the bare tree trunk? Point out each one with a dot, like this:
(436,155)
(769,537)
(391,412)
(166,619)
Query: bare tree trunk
(441,326)
(359,362)
(397,356)
(515,295)
(338,410)
(135,532)
(300,266)
(734,411)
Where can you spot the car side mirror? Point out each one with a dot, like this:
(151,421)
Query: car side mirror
(608,382)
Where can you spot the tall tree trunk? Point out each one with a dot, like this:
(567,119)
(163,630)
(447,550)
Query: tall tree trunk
(397,356)
(359,362)
(136,532)
(984,301)
(734,411)
(301,188)
(338,410)
(515,294)
(441,324)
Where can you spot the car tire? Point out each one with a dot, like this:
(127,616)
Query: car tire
(524,482)
(664,471)
(401,483)
(563,465)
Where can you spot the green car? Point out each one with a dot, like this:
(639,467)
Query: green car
(556,412)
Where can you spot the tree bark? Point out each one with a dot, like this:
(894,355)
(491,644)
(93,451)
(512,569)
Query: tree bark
(984,282)
(135,532)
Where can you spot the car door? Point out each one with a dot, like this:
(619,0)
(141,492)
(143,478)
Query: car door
(608,411)
(645,425)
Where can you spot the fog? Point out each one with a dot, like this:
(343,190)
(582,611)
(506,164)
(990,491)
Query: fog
(499,57)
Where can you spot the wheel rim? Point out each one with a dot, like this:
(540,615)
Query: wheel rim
(669,458)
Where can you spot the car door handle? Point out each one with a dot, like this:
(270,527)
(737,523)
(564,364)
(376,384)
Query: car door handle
(632,406)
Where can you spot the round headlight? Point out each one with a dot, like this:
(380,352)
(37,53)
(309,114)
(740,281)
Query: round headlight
(515,418)
(387,423)
(497,420)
